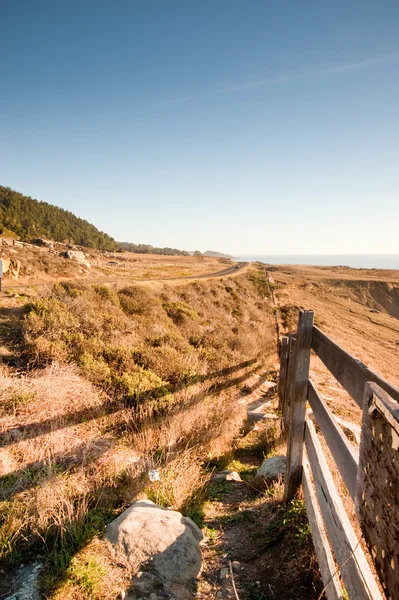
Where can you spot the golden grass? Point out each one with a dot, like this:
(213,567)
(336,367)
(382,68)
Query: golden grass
(126,387)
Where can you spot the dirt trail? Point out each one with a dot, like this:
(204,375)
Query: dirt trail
(266,542)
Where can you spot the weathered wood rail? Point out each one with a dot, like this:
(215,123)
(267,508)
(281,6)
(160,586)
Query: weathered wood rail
(371,475)
(12,242)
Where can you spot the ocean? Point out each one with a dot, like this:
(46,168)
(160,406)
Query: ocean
(358,261)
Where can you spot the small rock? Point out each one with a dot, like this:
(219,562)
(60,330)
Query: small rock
(153,596)
(219,595)
(273,468)
(227,476)
(236,565)
(24,585)
(259,416)
(223,573)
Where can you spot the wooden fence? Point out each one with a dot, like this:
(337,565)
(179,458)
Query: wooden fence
(370,474)
(12,242)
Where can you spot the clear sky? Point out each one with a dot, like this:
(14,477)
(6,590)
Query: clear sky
(241,126)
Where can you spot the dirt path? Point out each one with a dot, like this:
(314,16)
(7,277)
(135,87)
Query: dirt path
(247,527)
(233,270)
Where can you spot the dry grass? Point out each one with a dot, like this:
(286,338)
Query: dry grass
(39,267)
(118,384)
(343,300)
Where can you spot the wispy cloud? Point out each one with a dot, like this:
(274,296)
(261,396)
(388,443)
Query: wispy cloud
(306,74)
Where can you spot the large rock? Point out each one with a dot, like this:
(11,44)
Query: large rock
(159,539)
(76,255)
(14,268)
(273,468)
(42,242)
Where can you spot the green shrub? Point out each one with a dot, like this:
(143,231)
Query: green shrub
(178,311)
(106,293)
(138,384)
(96,369)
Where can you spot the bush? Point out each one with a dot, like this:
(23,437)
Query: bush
(177,311)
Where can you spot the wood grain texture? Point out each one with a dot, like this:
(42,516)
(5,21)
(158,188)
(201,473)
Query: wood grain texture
(377,498)
(327,566)
(356,574)
(283,371)
(351,373)
(298,399)
(288,389)
(342,450)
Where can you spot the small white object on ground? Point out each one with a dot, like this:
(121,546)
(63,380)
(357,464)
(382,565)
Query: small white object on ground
(227,476)
(154,475)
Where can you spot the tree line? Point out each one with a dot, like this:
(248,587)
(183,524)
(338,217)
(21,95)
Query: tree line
(25,218)
(148,249)
(28,218)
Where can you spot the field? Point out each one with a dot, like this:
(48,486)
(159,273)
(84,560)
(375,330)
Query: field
(39,266)
(357,308)
(104,378)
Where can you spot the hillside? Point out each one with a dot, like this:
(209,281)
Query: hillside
(105,379)
(148,249)
(105,383)
(28,218)
(217,254)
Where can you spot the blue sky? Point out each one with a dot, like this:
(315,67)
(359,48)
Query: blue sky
(248,127)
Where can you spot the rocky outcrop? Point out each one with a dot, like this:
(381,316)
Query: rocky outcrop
(77,256)
(163,542)
(14,268)
(42,242)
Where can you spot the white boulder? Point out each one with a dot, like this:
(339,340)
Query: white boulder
(161,540)
(273,468)
(78,256)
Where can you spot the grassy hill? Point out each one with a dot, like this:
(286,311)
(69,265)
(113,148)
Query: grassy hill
(28,218)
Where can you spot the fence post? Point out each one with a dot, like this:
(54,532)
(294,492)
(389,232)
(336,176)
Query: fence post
(298,393)
(283,371)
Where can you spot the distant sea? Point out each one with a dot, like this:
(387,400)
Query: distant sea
(358,261)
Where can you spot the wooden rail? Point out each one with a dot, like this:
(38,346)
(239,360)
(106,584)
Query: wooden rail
(371,474)
(12,242)
(351,373)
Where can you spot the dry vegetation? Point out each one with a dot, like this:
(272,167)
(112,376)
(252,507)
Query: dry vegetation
(102,382)
(344,301)
(358,309)
(38,266)
(110,384)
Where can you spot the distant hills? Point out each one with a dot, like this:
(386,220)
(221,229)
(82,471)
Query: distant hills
(147,249)
(217,254)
